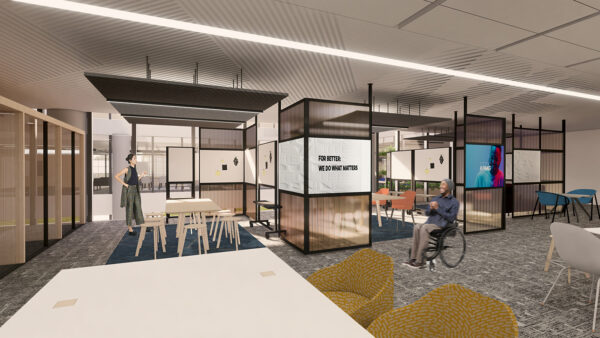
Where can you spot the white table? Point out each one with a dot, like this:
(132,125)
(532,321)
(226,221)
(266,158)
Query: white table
(190,205)
(382,197)
(248,293)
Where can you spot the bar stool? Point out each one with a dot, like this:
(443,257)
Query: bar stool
(155,221)
(231,229)
(198,223)
(216,220)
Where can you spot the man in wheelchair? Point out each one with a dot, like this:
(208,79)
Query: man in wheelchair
(442,211)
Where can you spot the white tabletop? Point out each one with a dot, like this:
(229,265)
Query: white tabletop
(575,195)
(191,205)
(384,197)
(595,231)
(215,295)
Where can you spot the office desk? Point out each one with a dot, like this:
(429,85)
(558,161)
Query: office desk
(227,294)
(383,197)
(190,205)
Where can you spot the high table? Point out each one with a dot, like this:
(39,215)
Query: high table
(383,197)
(227,294)
(576,197)
(190,205)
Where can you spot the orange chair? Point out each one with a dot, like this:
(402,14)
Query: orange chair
(408,203)
(383,191)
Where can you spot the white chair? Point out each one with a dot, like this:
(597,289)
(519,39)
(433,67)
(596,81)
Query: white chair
(198,223)
(580,250)
(156,221)
(231,229)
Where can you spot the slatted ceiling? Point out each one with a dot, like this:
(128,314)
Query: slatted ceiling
(595,4)
(592,67)
(578,84)
(452,25)
(519,13)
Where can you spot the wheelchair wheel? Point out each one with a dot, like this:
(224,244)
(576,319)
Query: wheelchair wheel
(453,248)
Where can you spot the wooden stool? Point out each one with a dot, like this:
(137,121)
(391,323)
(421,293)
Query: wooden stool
(231,229)
(197,222)
(216,220)
(156,221)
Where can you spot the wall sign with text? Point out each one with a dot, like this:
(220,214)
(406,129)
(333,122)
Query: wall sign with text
(338,166)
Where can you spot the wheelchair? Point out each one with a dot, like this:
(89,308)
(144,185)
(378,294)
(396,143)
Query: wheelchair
(448,243)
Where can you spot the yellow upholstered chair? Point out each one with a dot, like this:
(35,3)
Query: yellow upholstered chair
(448,311)
(362,285)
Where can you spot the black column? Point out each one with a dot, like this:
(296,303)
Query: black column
(73,180)
(89,181)
(45,159)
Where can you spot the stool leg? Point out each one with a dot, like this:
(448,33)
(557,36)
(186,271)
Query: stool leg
(204,229)
(181,242)
(230,228)
(223,224)
(155,235)
(140,240)
(237,237)
(218,225)
(199,243)
(163,235)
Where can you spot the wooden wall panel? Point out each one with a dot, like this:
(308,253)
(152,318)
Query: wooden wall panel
(227,196)
(484,210)
(250,198)
(292,218)
(337,222)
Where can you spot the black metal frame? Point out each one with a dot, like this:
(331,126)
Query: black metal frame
(306,196)
(464,184)
(541,150)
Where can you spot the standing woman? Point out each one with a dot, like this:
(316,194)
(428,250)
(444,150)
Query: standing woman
(130,194)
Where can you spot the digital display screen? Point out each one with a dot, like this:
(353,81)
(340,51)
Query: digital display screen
(484,166)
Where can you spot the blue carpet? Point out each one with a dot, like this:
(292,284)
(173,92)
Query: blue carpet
(125,250)
(388,229)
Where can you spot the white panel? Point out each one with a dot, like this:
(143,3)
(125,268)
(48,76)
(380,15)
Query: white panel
(432,164)
(181,164)
(267,194)
(338,165)
(291,165)
(579,33)
(266,164)
(453,25)
(401,165)
(508,167)
(527,166)
(220,166)
(250,163)
(382,12)
(552,51)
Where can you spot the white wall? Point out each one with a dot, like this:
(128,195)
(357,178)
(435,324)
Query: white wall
(582,160)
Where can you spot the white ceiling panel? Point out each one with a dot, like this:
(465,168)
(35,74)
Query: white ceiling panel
(551,51)
(452,25)
(534,15)
(591,67)
(383,12)
(581,33)
(592,3)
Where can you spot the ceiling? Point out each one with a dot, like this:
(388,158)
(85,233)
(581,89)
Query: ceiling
(548,42)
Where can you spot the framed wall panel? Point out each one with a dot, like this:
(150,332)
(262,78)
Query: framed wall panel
(221,166)
(221,139)
(291,165)
(291,122)
(9,178)
(250,166)
(267,163)
(180,164)
(292,218)
(400,165)
(226,196)
(432,164)
(250,198)
(524,198)
(526,166)
(329,119)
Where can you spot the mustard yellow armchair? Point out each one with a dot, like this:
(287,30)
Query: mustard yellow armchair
(362,285)
(448,311)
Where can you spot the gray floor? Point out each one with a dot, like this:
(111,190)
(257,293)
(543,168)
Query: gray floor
(506,265)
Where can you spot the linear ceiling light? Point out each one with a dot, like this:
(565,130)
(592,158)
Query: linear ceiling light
(226,33)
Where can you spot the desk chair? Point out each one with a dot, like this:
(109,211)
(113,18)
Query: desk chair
(383,191)
(586,200)
(580,250)
(407,204)
(547,198)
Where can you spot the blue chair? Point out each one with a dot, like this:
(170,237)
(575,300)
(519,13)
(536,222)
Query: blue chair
(585,200)
(548,198)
